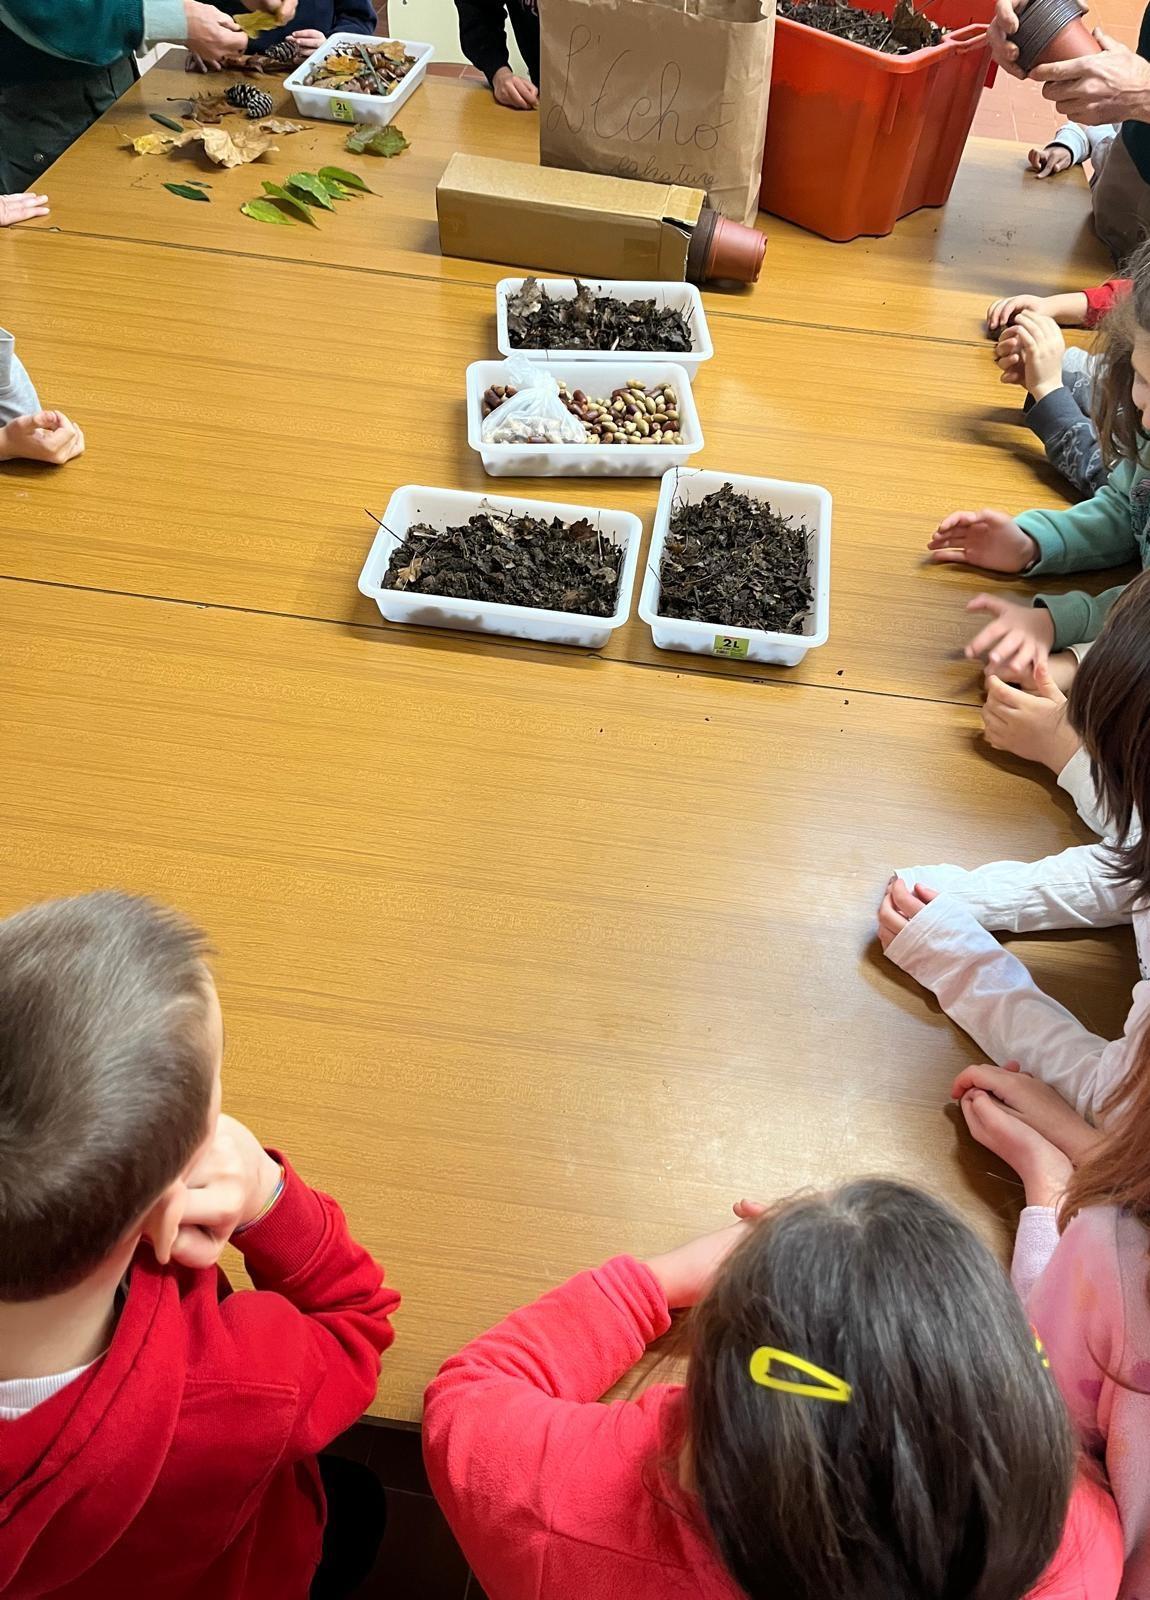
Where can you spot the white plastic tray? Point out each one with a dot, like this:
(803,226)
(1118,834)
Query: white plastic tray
(449,507)
(336,107)
(584,460)
(682,297)
(806,501)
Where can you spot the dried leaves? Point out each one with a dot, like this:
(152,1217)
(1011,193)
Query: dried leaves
(373,67)
(225,146)
(512,560)
(256,22)
(906,31)
(732,560)
(535,321)
(366,139)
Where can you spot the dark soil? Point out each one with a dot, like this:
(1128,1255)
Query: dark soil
(535,321)
(732,560)
(906,32)
(515,560)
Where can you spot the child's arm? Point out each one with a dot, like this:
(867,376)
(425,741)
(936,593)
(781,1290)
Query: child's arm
(1075,1303)
(16,208)
(512,1416)
(1068,310)
(1069,439)
(18,396)
(354,16)
(483,35)
(1096,534)
(1102,300)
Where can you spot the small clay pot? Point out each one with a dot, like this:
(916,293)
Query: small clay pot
(725,251)
(1053,30)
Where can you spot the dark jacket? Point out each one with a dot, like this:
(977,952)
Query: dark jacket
(483,33)
(344,16)
(1136,135)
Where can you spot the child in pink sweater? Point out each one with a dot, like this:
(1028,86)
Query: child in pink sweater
(865,1415)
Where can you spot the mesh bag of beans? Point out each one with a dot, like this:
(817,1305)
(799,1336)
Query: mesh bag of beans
(535,412)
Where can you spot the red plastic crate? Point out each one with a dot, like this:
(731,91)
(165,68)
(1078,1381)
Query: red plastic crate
(857,139)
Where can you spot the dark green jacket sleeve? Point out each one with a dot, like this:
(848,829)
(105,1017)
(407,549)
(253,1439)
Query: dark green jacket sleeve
(97,32)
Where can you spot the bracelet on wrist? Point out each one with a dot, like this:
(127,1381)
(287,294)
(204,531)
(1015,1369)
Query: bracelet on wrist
(266,1208)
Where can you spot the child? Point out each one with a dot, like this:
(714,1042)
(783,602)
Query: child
(313,21)
(1086,1292)
(865,1414)
(158,1432)
(1072,146)
(28,433)
(1108,530)
(483,39)
(935,922)
(22,208)
(1060,382)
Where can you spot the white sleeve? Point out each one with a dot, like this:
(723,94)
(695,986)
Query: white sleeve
(1076,889)
(991,995)
(1075,138)
(1034,1244)
(1077,782)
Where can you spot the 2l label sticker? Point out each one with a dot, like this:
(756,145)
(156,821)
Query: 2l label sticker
(732,649)
(342,111)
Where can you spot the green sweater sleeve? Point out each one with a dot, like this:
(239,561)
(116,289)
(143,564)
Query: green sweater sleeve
(1078,617)
(97,34)
(1097,533)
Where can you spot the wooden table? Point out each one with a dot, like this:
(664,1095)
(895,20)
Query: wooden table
(528,956)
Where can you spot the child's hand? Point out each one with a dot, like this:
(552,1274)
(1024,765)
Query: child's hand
(685,1274)
(1032,726)
(1001,312)
(21,208)
(1050,159)
(899,905)
(1019,638)
(1039,1106)
(47,436)
(306,40)
(1030,352)
(511,90)
(229,1184)
(987,539)
(1044,1170)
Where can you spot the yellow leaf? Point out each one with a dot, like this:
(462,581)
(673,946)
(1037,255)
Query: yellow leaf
(152,144)
(257,22)
(339,64)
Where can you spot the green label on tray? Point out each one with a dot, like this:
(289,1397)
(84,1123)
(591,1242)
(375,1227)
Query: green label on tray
(342,111)
(733,649)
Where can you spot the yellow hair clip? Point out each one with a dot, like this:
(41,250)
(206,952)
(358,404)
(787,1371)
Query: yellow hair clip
(1041,1348)
(825,1386)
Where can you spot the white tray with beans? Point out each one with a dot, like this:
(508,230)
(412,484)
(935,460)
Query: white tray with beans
(638,422)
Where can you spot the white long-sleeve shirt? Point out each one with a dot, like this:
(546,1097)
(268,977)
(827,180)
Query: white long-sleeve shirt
(950,949)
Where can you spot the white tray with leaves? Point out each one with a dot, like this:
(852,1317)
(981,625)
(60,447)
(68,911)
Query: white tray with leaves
(338,104)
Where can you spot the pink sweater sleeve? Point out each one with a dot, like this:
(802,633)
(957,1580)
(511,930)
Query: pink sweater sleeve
(512,1415)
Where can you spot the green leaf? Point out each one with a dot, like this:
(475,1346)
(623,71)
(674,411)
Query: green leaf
(298,209)
(386,142)
(186,192)
(351,180)
(266,211)
(167,122)
(336,190)
(308,186)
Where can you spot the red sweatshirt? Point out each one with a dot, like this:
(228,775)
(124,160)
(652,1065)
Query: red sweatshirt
(1104,298)
(181,1464)
(551,1495)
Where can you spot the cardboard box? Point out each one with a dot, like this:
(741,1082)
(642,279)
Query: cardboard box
(573,224)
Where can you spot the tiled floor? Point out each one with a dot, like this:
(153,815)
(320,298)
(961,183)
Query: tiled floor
(419,1560)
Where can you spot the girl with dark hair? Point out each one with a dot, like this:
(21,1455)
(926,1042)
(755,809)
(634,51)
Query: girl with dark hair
(865,1415)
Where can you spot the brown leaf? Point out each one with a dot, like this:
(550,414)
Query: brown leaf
(281,125)
(231,147)
(340,63)
(154,144)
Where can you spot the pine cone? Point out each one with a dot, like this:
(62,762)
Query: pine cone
(284,53)
(247,98)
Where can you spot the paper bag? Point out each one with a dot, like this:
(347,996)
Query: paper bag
(671,91)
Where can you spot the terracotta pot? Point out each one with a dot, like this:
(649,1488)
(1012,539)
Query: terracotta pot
(1053,30)
(724,251)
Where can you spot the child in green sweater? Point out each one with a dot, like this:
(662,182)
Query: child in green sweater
(1108,530)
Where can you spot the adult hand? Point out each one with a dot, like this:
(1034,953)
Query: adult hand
(1000,37)
(899,904)
(48,436)
(1032,726)
(21,207)
(988,539)
(1016,641)
(1111,87)
(685,1274)
(213,36)
(1039,1106)
(1050,159)
(512,90)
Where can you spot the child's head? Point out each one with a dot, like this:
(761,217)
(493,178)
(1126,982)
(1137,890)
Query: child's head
(947,1472)
(1122,386)
(110,1046)
(1110,710)
(1117,1170)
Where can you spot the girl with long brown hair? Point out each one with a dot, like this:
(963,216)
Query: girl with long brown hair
(865,1417)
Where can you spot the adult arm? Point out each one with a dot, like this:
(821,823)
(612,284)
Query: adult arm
(97,33)
(483,34)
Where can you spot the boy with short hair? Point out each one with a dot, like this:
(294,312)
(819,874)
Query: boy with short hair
(157,1432)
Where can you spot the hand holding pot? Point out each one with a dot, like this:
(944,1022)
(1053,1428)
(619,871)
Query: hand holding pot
(1113,86)
(1000,37)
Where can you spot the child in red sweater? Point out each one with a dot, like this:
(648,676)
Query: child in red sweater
(157,1432)
(865,1414)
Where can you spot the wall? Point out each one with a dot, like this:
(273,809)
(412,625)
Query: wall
(435,22)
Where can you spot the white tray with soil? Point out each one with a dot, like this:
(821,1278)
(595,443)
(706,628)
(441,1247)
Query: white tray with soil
(763,571)
(585,567)
(572,313)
